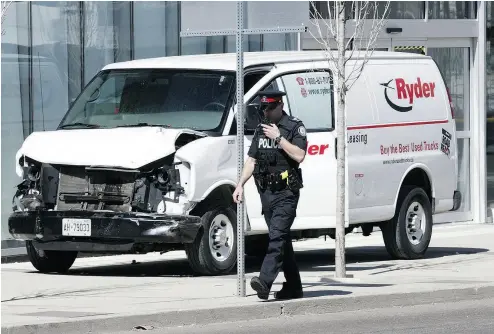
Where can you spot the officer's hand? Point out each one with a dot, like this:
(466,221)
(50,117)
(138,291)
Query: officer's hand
(237,194)
(271,131)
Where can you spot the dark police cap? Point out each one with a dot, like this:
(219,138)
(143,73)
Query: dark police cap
(271,96)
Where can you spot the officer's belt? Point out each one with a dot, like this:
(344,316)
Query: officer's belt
(273,181)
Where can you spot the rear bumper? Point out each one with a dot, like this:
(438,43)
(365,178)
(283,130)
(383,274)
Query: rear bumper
(46,227)
(456,200)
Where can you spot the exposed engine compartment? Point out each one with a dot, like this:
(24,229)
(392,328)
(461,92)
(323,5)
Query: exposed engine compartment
(101,188)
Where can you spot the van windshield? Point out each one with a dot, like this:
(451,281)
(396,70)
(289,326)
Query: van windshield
(142,97)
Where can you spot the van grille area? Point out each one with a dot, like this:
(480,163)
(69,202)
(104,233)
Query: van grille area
(79,189)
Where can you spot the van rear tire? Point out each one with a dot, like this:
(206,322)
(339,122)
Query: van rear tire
(407,236)
(214,251)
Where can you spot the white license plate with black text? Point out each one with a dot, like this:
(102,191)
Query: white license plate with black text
(76,227)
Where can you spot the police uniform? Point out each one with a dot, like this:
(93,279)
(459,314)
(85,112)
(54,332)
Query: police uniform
(278,179)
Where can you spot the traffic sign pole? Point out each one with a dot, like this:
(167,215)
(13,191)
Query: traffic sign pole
(240,149)
(239,32)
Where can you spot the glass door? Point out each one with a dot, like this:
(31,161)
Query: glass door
(454,61)
(453,57)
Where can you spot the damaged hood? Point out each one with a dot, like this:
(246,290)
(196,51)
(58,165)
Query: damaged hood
(119,147)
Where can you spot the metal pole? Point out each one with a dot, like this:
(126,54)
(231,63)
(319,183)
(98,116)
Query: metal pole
(240,148)
(239,32)
(299,41)
(479,146)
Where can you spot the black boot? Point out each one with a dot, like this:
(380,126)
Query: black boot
(288,292)
(260,287)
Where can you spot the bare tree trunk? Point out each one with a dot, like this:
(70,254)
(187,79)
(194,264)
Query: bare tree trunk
(369,19)
(340,270)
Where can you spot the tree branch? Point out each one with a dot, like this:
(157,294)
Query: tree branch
(5,7)
(368,24)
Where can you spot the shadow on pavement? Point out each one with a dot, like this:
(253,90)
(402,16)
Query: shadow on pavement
(357,258)
(325,293)
(323,260)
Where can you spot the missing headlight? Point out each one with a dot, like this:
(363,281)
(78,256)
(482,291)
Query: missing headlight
(33,173)
(162,178)
(152,187)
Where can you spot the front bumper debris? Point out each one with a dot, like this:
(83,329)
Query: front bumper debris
(93,227)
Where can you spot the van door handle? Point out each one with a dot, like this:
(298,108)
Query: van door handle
(336,148)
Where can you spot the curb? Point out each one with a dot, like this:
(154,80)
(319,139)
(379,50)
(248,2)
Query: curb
(261,310)
(14,259)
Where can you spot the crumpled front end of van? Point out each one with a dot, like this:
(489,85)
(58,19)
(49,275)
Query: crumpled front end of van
(72,197)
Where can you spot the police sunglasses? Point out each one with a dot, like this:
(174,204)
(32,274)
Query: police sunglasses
(269,106)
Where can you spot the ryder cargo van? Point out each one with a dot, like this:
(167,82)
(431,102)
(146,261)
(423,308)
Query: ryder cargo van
(145,159)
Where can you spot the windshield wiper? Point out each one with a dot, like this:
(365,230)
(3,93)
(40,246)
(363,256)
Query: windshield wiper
(86,125)
(141,124)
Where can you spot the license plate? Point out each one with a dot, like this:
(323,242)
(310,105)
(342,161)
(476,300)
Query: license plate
(76,227)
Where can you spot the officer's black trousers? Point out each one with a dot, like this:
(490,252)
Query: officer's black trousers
(279,210)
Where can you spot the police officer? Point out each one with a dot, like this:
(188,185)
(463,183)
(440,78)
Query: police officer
(278,147)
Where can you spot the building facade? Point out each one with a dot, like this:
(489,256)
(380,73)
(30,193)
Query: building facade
(50,50)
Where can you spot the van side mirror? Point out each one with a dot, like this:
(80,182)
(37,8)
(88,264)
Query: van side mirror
(252,118)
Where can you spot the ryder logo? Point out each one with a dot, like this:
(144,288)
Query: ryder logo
(407,93)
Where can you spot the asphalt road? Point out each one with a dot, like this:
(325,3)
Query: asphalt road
(452,317)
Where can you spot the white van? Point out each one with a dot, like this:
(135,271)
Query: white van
(146,158)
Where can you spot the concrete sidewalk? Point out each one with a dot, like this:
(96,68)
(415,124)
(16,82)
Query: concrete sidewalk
(113,293)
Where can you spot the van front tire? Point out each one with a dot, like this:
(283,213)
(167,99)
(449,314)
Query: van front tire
(50,261)
(214,251)
(407,236)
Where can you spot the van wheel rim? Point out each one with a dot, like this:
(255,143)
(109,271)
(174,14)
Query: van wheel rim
(221,238)
(416,221)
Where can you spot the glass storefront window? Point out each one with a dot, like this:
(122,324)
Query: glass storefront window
(279,42)
(106,35)
(219,44)
(452,10)
(402,10)
(56,61)
(464,173)
(410,10)
(490,103)
(453,62)
(14,99)
(398,10)
(156,26)
(205,45)
(252,43)
(325,8)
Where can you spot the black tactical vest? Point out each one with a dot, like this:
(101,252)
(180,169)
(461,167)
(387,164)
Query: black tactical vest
(270,154)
